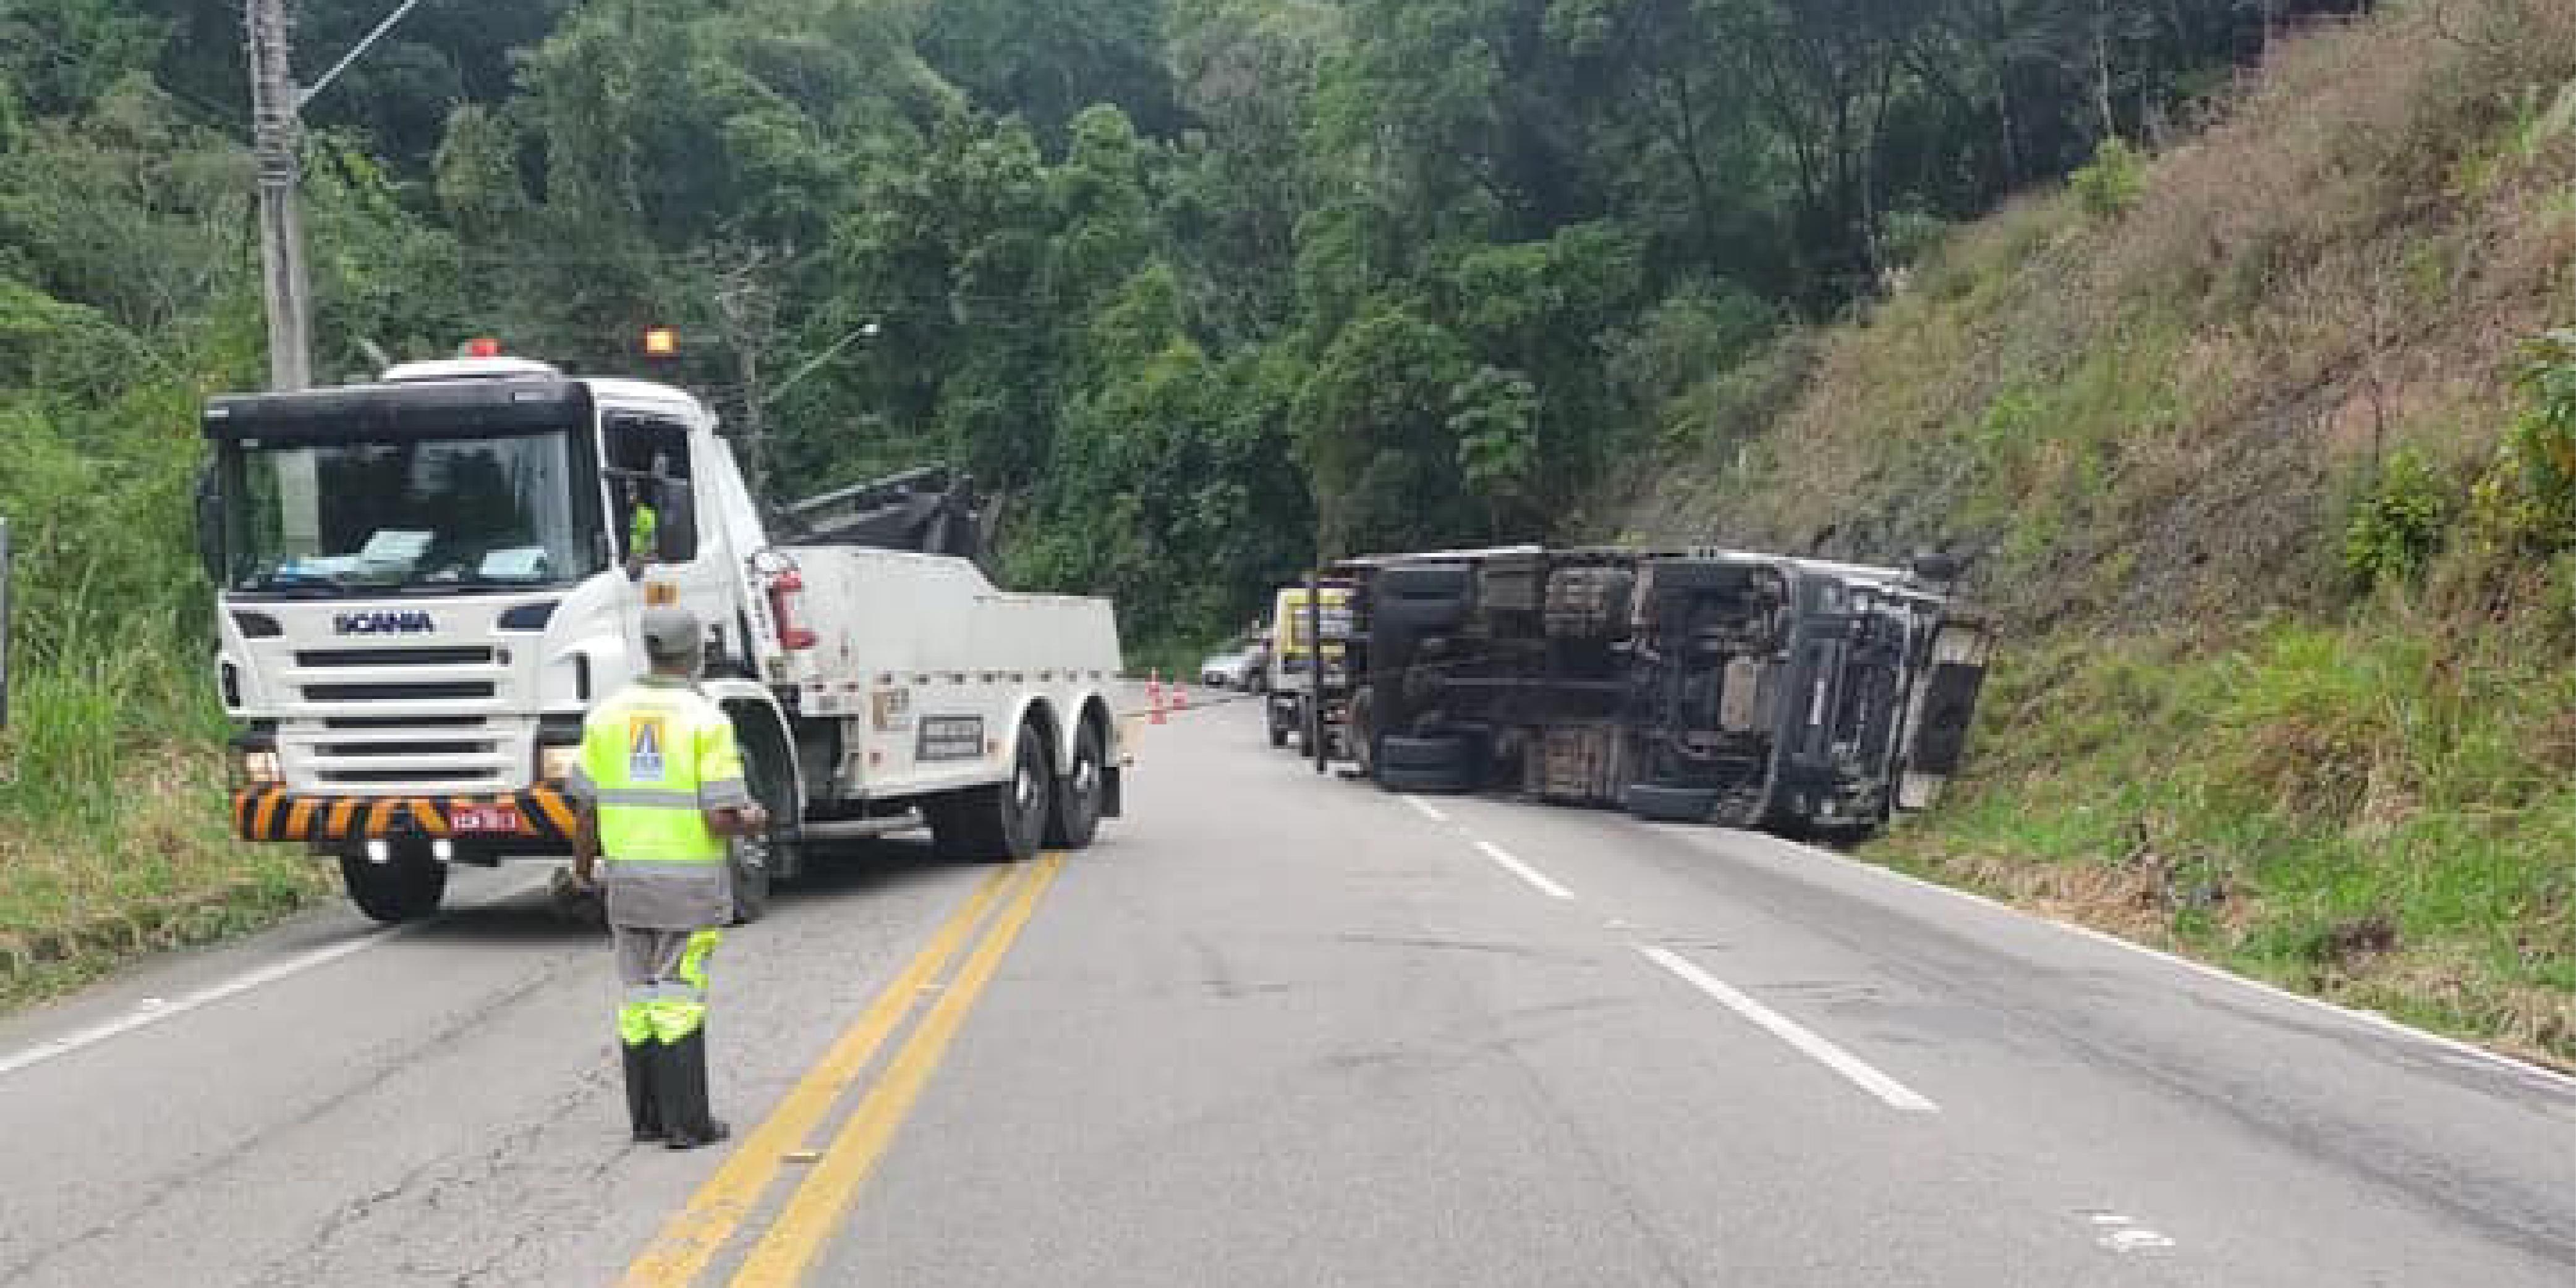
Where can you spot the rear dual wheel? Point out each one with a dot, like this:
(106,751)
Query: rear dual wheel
(1002,823)
(1075,817)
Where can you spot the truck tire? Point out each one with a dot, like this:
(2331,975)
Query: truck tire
(1657,804)
(1422,599)
(1002,823)
(1278,728)
(405,887)
(1441,763)
(1075,818)
(747,863)
(1440,752)
(1428,782)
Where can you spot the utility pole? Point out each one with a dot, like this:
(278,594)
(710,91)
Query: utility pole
(749,307)
(277,126)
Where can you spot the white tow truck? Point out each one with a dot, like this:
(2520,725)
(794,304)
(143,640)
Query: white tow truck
(425,581)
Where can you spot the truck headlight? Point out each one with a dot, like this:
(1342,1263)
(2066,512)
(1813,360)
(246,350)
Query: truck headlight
(555,764)
(260,767)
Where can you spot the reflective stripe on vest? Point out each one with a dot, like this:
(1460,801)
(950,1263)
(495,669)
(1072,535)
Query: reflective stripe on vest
(655,753)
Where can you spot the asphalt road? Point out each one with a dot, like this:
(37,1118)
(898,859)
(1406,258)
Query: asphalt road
(1279,1030)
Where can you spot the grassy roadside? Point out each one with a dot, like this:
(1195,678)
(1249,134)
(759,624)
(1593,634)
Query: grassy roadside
(2379,813)
(114,828)
(75,903)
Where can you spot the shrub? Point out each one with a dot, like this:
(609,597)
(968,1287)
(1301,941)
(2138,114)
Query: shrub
(2526,502)
(2399,526)
(2110,186)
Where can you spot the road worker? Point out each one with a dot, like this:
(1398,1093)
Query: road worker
(643,528)
(661,788)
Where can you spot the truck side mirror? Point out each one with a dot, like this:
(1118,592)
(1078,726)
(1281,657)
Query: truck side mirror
(210,525)
(675,540)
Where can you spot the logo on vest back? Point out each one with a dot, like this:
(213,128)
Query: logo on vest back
(644,738)
(386,622)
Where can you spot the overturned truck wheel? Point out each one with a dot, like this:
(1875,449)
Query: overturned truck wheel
(1440,763)
(1660,804)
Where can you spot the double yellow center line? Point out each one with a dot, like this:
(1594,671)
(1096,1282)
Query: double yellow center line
(694,1237)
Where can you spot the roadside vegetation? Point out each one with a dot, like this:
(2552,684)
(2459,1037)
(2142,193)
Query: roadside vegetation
(2224,375)
(2264,444)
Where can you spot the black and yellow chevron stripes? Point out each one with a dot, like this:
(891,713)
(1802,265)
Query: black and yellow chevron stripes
(272,814)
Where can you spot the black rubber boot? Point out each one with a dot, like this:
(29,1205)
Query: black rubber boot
(643,1106)
(682,1086)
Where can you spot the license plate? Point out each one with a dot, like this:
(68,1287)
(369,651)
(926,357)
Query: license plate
(485,819)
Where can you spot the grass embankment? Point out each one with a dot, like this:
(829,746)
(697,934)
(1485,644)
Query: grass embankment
(113,831)
(2383,817)
(2278,508)
(113,814)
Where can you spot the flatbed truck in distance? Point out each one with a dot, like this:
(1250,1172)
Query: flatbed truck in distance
(425,581)
(1290,706)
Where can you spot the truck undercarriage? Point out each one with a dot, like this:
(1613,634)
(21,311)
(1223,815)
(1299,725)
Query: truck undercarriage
(1748,690)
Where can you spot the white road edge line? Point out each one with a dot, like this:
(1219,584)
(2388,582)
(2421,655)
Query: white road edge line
(1896,1094)
(1426,809)
(2502,1062)
(1524,871)
(146,1016)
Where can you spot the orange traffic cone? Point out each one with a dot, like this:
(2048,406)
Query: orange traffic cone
(1180,696)
(1154,693)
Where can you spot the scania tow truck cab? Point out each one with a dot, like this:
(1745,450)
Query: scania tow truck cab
(426,581)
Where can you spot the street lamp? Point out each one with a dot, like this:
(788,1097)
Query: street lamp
(867,331)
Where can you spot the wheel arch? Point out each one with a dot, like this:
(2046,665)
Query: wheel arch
(760,728)
(1037,710)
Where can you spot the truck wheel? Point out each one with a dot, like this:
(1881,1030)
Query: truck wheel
(1075,820)
(1002,823)
(405,887)
(1440,751)
(1427,782)
(747,861)
(1435,764)
(1361,733)
(1658,804)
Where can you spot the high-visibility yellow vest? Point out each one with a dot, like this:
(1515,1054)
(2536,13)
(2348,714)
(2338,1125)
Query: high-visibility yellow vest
(655,758)
(641,529)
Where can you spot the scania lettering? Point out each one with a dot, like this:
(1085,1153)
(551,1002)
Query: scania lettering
(423,585)
(384,624)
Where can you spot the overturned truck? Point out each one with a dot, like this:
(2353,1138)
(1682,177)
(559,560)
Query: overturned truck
(1750,690)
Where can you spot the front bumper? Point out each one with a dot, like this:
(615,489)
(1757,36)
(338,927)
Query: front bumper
(272,813)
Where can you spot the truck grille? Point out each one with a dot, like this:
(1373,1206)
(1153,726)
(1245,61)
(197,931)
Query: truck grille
(370,754)
(436,691)
(364,749)
(394,657)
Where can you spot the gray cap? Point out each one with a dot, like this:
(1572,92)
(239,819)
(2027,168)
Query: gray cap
(671,633)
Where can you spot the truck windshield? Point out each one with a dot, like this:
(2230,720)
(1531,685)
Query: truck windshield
(417,516)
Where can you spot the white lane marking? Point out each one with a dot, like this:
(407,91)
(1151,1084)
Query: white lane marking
(1895,1093)
(1525,872)
(153,1010)
(1425,808)
(2120,1234)
(2539,1073)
